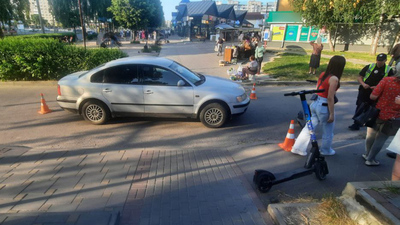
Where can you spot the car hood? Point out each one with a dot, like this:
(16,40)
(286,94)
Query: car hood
(222,83)
(73,76)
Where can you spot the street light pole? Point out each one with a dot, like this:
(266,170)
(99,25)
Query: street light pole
(40,16)
(82,24)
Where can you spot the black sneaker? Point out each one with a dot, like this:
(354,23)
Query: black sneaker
(354,127)
(391,155)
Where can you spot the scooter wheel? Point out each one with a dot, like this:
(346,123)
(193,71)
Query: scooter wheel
(264,183)
(321,170)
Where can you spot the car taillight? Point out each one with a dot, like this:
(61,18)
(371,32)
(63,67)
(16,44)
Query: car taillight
(58,90)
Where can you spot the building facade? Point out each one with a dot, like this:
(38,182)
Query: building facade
(44,9)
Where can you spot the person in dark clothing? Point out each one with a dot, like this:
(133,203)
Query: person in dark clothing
(369,78)
(315,56)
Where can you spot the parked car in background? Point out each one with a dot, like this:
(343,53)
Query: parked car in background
(150,87)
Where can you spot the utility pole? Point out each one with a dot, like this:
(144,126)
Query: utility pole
(82,24)
(40,16)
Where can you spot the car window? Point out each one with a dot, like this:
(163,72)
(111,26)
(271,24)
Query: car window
(185,72)
(123,74)
(97,77)
(153,75)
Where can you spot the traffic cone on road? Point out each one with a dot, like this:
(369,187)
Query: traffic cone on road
(253,92)
(289,140)
(43,106)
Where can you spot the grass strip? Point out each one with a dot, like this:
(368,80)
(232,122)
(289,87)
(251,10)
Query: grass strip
(294,67)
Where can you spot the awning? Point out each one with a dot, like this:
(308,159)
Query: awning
(224,26)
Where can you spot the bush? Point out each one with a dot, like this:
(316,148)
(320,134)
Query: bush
(47,59)
(58,36)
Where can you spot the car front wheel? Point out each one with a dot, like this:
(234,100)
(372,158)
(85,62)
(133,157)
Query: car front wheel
(213,115)
(96,112)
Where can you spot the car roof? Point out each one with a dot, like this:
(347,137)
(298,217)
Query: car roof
(141,60)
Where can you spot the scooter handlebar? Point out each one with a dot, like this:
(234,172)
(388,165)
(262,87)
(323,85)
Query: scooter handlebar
(304,92)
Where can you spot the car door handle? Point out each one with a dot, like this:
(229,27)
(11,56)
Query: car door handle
(149,92)
(107,90)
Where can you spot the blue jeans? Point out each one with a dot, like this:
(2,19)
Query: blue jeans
(374,140)
(320,115)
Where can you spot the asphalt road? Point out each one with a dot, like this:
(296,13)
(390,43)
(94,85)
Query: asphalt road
(267,119)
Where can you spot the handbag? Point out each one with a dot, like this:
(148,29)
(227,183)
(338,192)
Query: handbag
(394,146)
(216,48)
(390,127)
(366,115)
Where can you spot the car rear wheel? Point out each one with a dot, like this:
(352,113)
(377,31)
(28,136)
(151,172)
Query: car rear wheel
(213,115)
(96,112)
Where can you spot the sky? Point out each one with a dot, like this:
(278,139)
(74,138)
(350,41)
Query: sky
(169,6)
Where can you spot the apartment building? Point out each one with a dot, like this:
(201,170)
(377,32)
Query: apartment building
(44,9)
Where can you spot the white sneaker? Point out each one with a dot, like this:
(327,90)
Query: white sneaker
(372,163)
(331,152)
(365,156)
(298,152)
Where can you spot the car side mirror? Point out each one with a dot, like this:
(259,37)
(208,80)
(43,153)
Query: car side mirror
(181,83)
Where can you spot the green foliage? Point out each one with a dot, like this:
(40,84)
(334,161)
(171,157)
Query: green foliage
(65,12)
(47,59)
(13,10)
(58,36)
(137,14)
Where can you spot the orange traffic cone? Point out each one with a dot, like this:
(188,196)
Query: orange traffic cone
(43,106)
(289,140)
(253,92)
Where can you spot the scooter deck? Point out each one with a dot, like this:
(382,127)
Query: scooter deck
(290,175)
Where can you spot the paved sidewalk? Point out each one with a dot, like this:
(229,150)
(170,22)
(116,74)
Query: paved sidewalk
(146,186)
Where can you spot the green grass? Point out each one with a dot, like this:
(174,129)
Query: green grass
(294,67)
(363,56)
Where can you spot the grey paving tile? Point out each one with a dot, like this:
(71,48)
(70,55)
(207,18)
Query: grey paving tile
(98,218)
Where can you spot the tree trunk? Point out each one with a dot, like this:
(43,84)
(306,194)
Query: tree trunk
(330,42)
(374,44)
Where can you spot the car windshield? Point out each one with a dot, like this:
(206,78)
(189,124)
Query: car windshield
(186,73)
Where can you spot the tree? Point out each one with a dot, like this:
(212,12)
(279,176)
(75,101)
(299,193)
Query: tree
(326,13)
(12,10)
(65,12)
(137,14)
(330,12)
(379,12)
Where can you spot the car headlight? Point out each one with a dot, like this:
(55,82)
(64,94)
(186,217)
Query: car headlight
(242,97)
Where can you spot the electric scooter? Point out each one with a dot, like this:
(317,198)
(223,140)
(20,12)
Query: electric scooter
(315,163)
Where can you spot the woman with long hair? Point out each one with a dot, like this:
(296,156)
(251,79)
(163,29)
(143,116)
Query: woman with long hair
(323,109)
(385,93)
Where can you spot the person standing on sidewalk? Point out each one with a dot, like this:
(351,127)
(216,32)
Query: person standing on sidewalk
(385,93)
(368,78)
(395,53)
(220,43)
(323,109)
(259,55)
(315,56)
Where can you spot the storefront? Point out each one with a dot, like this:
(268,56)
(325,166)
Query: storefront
(288,26)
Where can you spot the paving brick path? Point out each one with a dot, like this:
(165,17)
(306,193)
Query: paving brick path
(188,187)
(147,187)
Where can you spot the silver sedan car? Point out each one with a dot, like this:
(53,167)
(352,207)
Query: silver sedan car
(150,87)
